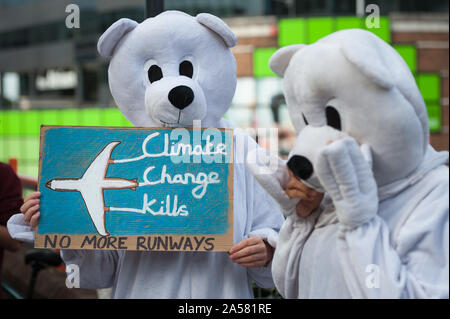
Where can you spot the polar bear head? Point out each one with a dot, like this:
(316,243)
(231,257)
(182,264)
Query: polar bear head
(171,69)
(352,83)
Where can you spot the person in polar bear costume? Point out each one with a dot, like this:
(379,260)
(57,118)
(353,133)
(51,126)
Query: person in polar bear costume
(170,71)
(382,228)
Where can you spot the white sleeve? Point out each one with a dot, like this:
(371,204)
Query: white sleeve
(266,223)
(19,229)
(96,268)
(267,217)
(269,204)
(416,267)
(286,261)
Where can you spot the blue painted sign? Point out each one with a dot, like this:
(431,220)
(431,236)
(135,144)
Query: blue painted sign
(136,188)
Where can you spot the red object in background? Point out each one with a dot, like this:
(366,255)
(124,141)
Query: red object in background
(61,267)
(13,164)
(273,30)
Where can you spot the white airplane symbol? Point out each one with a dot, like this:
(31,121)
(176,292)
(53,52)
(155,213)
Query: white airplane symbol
(92,184)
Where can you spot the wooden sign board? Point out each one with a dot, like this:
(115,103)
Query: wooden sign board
(144,189)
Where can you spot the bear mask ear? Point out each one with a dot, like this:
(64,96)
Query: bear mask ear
(279,61)
(218,26)
(367,53)
(109,40)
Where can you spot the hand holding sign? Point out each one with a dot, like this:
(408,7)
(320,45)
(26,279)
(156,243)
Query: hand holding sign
(252,252)
(30,209)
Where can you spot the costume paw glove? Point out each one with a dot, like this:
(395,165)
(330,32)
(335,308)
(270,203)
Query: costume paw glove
(347,177)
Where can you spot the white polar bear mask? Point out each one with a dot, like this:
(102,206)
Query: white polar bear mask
(352,83)
(171,69)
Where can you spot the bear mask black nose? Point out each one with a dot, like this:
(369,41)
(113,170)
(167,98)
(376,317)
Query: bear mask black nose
(181,96)
(300,166)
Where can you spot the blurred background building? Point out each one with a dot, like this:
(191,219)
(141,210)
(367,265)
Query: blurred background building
(51,74)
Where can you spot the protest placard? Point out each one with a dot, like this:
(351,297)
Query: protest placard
(145,189)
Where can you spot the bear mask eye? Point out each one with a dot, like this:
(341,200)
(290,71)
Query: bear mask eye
(333,118)
(186,69)
(154,73)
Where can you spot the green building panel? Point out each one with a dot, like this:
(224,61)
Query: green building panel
(113,117)
(319,28)
(349,23)
(434,118)
(309,30)
(28,123)
(92,117)
(382,30)
(49,117)
(13,122)
(292,31)
(409,54)
(261,59)
(33,120)
(430,86)
(71,117)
